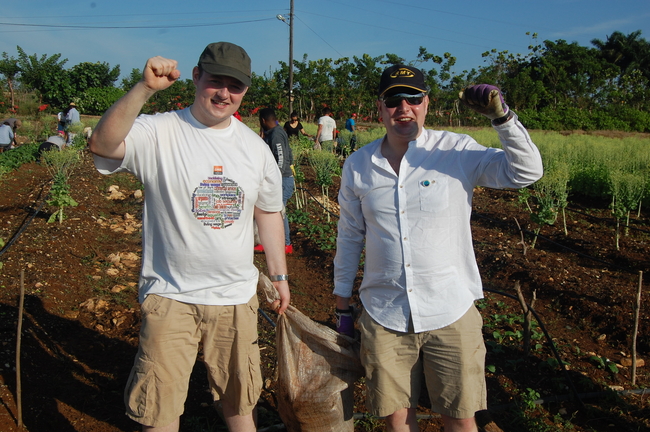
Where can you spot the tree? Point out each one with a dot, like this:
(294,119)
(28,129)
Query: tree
(46,76)
(313,80)
(366,74)
(93,75)
(629,53)
(134,77)
(9,68)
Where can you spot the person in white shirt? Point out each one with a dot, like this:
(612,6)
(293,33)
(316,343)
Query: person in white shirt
(326,133)
(206,175)
(407,199)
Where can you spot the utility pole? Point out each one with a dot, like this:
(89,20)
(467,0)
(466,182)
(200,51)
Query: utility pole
(291,59)
(290,24)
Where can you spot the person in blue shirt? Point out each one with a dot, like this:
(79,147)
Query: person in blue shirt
(351,125)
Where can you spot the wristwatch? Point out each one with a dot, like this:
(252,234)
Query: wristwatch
(277,278)
(502,120)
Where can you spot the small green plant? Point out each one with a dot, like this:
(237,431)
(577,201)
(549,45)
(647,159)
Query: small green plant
(627,191)
(604,363)
(369,423)
(326,165)
(60,165)
(529,397)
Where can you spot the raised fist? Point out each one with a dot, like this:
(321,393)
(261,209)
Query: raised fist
(485,99)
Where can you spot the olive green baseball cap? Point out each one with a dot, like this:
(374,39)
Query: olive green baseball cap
(227,59)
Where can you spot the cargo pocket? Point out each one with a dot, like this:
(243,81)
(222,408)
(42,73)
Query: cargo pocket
(140,389)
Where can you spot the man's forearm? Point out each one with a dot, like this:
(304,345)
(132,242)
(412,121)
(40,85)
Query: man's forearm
(115,124)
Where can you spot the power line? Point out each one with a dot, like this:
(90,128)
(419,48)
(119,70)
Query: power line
(170,14)
(91,27)
(384,28)
(313,31)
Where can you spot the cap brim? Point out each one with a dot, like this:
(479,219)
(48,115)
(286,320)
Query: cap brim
(228,71)
(402,86)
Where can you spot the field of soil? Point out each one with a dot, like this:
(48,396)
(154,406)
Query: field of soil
(81,315)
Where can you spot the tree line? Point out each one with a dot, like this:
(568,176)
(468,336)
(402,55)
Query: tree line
(557,85)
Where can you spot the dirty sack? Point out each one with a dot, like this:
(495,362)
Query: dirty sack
(317,368)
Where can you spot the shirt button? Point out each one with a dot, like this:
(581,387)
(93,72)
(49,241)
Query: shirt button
(408,265)
(401,186)
(410,290)
(405,238)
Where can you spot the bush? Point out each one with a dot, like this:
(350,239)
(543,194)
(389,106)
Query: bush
(608,120)
(95,101)
(13,159)
(638,121)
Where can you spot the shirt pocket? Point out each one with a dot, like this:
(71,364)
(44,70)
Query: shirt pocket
(434,194)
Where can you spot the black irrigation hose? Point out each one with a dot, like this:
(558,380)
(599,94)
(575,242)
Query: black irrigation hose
(266,317)
(26,224)
(522,230)
(23,227)
(556,354)
(561,398)
(608,220)
(592,216)
(627,269)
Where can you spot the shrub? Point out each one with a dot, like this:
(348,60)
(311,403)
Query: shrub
(95,101)
(13,159)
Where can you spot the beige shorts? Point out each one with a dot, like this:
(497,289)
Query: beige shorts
(169,341)
(451,359)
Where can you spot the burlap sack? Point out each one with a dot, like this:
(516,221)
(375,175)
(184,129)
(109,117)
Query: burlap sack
(317,369)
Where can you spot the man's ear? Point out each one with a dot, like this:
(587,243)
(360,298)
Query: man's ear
(195,75)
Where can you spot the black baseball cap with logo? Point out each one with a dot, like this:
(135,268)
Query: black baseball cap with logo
(227,59)
(401,76)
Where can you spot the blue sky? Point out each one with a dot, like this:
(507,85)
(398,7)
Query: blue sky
(128,32)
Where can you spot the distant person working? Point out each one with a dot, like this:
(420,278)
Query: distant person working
(326,133)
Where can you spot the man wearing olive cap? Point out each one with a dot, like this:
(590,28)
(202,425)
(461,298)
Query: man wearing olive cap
(407,198)
(205,175)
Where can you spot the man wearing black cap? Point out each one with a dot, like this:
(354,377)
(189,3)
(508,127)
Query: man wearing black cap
(407,198)
(206,175)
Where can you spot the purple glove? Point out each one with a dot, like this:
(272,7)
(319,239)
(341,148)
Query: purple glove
(345,322)
(482,98)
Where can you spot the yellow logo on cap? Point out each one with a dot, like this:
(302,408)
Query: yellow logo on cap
(403,73)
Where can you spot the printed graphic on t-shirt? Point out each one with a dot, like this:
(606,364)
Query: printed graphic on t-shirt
(218,201)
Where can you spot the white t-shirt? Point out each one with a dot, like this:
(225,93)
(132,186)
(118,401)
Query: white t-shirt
(329,125)
(201,186)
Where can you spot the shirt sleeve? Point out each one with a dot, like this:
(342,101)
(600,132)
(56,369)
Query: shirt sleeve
(351,234)
(269,197)
(518,165)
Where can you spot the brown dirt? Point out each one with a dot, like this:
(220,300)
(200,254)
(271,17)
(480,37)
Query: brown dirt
(81,316)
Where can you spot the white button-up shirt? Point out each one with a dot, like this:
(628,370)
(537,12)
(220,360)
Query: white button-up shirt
(419,257)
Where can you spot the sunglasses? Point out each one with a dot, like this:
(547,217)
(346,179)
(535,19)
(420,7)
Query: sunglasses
(396,100)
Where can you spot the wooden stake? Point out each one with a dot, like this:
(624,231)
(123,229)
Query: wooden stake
(19,397)
(523,241)
(637,310)
(527,315)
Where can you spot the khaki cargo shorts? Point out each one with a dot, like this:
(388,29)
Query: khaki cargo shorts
(169,342)
(451,359)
